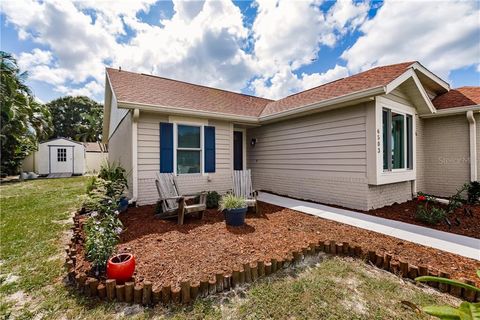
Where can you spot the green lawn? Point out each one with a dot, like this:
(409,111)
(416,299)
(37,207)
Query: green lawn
(33,232)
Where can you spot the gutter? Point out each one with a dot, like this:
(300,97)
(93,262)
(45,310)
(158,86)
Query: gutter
(452,111)
(317,106)
(187,112)
(473,145)
(135,116)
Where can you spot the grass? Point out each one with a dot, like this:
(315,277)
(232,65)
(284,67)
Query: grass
(32,233)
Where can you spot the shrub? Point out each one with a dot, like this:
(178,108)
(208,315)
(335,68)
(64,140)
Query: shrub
(456,200)
(101,237)
(230,201)
(114,173)
(432,215)
(212,199)
(91,184)
(473,192)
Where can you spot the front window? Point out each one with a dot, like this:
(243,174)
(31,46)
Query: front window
(397,140)
(189,149)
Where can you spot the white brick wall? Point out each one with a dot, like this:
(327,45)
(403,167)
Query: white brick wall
(384,195)
(447,155)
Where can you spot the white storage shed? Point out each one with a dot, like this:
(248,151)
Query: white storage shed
(55,156)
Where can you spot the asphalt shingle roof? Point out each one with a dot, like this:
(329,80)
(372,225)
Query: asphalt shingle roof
(460,97)
(157,91)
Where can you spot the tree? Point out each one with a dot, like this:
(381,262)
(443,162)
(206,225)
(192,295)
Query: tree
(24,122)
(78,118)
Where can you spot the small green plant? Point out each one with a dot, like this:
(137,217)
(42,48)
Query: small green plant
(91,184)
(430,215)
(473,192)
(212,199)
(456,200)
(230,201)
(466,310)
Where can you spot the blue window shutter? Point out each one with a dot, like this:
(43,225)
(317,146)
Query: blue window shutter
(166,147)
(209,136)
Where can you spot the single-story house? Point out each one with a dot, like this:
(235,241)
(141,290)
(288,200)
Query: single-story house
(59,155)
(362,142)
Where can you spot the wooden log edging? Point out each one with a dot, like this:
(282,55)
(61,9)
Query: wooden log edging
(146,293)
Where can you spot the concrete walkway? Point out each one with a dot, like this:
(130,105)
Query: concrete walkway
(457,244)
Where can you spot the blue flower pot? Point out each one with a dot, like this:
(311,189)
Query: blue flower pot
(123,204)
(235,217)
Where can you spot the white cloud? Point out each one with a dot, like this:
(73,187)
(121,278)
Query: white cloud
(285,82)
(201,45)
(290,34)
(442,35)
(90,89)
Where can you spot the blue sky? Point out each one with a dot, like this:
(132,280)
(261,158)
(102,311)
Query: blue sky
(265,48)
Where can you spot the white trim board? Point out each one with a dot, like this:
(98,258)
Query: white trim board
(449,242)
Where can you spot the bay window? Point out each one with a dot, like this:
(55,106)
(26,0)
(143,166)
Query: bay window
(397,140)
(189,149)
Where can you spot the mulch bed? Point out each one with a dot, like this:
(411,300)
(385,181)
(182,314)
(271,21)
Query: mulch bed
(167,253)
(461,222)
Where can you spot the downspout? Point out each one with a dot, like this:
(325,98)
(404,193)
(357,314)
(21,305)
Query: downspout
(473,146)
(136,114)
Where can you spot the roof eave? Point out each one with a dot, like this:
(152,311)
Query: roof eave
(188,112)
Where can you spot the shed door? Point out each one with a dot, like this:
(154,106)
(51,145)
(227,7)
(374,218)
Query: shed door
(61,159)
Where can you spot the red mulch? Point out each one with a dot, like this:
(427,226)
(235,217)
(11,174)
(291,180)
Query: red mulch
(166,252)
(466,225)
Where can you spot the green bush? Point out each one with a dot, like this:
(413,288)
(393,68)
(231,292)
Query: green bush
(101,237)
(113,172)
(456,200)
(430,215)
(473,192)
(91,184)
(103,227)
(212,199)
(230,201)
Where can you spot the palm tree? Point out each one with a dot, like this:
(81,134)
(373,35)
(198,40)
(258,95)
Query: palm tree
(23,120)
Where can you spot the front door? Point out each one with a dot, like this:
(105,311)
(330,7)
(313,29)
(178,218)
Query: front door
(237,150)
(61,159)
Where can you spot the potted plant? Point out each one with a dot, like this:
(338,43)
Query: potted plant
(235,209)
(121,267)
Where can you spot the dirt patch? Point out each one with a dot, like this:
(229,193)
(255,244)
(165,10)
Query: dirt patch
(166,252)
(464,221)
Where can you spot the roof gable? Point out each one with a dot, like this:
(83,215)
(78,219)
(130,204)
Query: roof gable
(376,77)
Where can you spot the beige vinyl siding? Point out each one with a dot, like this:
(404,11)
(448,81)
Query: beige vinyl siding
(321,157)
(447,154)
(477,123)
(120,147)
(149,160)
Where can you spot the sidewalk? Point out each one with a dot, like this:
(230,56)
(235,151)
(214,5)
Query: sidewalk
(457,244)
